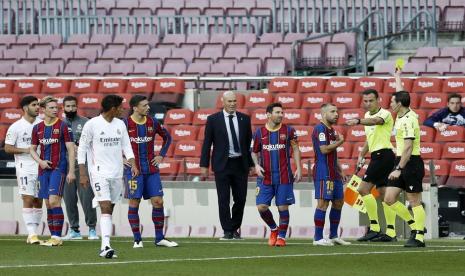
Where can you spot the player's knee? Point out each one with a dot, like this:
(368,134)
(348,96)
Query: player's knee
(134,203)
(28,201)
(389,199)
(322,204)
(414,201)
(364,190)
(157,202)
(262,208)
(337,204)
(54,202)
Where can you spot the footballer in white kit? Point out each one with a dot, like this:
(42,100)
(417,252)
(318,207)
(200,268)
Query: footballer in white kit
(103,142)
(17,142)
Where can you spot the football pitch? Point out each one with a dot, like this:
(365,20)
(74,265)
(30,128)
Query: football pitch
(247,257)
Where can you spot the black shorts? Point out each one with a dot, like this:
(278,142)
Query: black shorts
(381,165)
(411,177)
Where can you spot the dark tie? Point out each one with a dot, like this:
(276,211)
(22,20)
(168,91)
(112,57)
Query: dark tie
(233,134)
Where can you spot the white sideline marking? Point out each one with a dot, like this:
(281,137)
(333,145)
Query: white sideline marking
(232,258)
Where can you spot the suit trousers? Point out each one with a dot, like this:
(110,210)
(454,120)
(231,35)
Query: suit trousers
(232,179)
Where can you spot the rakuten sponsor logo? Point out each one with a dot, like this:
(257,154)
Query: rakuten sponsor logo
(48,141)
(317,116)
(449,133)
(286,100)
(425,84)
(139,140)
(192,165)
(182,133)
(367,84)
(349,116)
(426,150)
(456,150)
(110,85)
(257,100)
(338,84)
(26,85)
(274,147)
(2,85)
(184,147)
(301,132)
(280,84)
(314,100)
(455,84)
(358,133)
(309,84)
(292,116)
(164,165)
(54,85)
(344,100)
(82,85)
(460,168)
(177,116)
(88,100)
(202,116)
(260,116)
(167,84)
(433,100)
(306,148)
(4,100)
(12,116)
(138,84)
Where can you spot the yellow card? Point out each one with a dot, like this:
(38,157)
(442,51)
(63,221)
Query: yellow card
(400,63)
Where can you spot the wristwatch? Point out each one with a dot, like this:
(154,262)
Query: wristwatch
(398,168)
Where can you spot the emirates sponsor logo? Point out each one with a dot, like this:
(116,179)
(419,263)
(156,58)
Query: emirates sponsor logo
(358,133)
(344,100)
(139,84)
(426,150)
(274,147)
(367,84)
(185,147)
(292,116)
(260,116)
(88,100)
(167,84)
(305,148)
(280,84)
(338,84)
(26,85)
(140,140)
(202,116)
(455,84)
(4,100)
(448,133)
(425,84)
(349,116)
(433,100)
(12,116)
(456,150)
(192,165)
(257,100)
(285,100)
(301,132)
(48,141)
(460,168)
(309,84)
(164,165)
(82,85)
(314,100)
(110,85)
(54,85)
(177,116)
(182,133)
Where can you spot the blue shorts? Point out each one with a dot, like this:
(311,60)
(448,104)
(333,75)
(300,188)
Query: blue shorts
(329,190)
(51,182)
(143,185)
(283,193)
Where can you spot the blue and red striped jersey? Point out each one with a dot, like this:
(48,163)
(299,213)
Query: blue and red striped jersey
(325,164)
(51,141)
(275,152)
(142,137)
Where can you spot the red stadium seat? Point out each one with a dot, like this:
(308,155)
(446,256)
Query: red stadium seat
(9,101)
(453,85)
(311,85)
(451,134)
(178,116)
(454,151)
(346,100)
(6,86)
(384,100)
(200,116)
(307,167)
(441,167)
(344,151)
(339,85)
(315,100)
(187,148)
(433,100)
(239,97)
(282,85)
(258,100)
(366,83)
(112,86)
(190,166)
(457,168)
(27,86)
(306,150)
(201,133)
(347,114)
(390,85)
(169,167)
(422,114)
(289,100)
(55,86)
(357,148)
(430,151)
(258,117)
(304,133)
(340,130)
(184,132)
(348,166)
(90,104)
(427,134)
(3,130)
(10,115)
(140,86)
(159,144)
(169,90)
(81,86)
(295,117)
(426,85)
(315,117)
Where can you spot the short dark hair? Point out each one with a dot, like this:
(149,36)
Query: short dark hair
(27,100)
(136,99)
(370,91)
(110,101)
(269,108)
(402,97)
(454,95)
(70,98)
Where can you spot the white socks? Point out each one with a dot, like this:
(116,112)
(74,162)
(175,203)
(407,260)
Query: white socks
(106,228)
(29,221)
(37,217)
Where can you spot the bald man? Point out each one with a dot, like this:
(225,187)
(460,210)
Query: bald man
(230,133)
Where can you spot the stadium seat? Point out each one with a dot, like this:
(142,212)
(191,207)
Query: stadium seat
(306,150)
(9,101)
(27,86)
(201,133)
(433,100)
(451,134)
(203,231)
(10,115)
(430,151)
(258,117)
(315,100)
(390,85)
(344,151)
(190,167)
(453,85)
(346,100)
(200,116)
(239,97)
(6,86)
(304,132)
(295,117)
(365,83)
(169,168)
(384,100)
(282,85)
(159,144)
(348,165)
(441,167)
(339,85)
(307,167)
(187,148)
(141,86)
(258,100)
(289,100)
(8,227)
(347,114)
(426,85)
(311,85)
(427,134)
(453,151)
(84,86)
(357,148)
(169,90)
(184,132)
(422,114)
(457,174)
(178,116)
(55,86)
(314,117)
(112,86)
(178,231)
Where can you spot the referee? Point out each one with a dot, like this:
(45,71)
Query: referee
(378,124)
(409,171)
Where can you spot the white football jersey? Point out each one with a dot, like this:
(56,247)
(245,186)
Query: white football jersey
(103,144)
(19,135)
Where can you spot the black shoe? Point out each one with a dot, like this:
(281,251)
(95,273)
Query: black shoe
(227,236)
(369,236)
(384,238)
(414,243)
(237,236)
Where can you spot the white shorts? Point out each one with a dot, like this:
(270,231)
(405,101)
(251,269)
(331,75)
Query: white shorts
(28,184)
(106,189)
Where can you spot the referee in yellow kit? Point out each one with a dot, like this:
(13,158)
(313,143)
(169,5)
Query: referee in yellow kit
(378,124)
(409,171)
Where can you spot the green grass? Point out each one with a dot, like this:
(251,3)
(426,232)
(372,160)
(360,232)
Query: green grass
(249,257)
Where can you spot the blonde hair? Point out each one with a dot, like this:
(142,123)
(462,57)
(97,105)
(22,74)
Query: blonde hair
(47,99)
